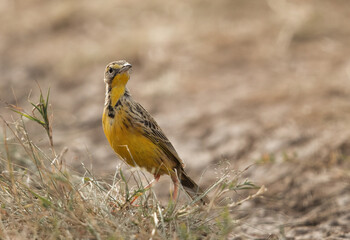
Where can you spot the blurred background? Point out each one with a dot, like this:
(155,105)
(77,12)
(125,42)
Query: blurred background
(263,84)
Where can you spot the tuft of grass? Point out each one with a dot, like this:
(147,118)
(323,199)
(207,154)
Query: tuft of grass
(43,109)
(41,198)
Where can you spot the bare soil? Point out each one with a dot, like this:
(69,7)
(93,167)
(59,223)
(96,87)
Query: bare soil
(264,84)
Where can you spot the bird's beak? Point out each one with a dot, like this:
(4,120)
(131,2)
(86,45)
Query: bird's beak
(125,68)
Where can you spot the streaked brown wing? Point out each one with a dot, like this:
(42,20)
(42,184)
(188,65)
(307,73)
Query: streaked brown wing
(154,133)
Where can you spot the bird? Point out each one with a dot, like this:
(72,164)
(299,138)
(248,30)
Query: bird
(136,137)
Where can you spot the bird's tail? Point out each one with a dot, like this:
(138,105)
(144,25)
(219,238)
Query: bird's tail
(192,189)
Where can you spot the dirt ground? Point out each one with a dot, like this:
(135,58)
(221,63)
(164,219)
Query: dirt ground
(264,84)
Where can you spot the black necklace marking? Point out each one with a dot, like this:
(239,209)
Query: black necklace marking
(119,103)
(111,111)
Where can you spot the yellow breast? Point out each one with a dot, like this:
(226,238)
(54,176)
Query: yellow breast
(129,142)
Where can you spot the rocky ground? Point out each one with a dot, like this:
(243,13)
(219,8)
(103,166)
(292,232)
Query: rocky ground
(263,84)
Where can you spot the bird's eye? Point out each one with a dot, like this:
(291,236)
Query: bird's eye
(110,70)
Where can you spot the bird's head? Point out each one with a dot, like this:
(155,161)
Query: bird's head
(117,73)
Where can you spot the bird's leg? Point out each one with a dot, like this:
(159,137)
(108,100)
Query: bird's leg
(155,180)
(176,186)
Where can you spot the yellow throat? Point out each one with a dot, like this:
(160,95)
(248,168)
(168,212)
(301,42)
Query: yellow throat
(117,88)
